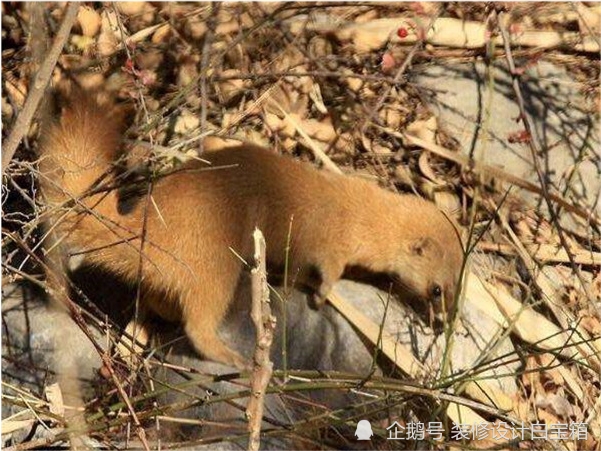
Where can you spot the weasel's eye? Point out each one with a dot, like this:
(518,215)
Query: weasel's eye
(436,291)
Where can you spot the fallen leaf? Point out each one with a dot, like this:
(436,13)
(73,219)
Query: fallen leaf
(133,8)
(230,89)
(108,41)
(388,62)
(89,21)
(558,405)
(186,122)
(54,395)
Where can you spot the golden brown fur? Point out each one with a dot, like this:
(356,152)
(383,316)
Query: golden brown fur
(188,267)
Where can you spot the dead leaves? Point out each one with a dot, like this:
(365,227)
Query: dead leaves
(89,21)
(544,379)
(308,84)
(108,40)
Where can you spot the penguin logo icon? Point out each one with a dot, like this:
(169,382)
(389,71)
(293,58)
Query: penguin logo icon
(363,431)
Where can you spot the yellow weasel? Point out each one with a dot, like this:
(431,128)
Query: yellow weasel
(199,214)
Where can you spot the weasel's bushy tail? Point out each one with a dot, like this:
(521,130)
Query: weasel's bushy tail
(79,146)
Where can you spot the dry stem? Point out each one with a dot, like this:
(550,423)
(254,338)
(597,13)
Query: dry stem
(38,87)
(265,327)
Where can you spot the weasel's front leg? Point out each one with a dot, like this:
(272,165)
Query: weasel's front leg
(330,274)
(320,296)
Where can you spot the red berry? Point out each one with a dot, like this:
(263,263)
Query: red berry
(402,33)
(519,137)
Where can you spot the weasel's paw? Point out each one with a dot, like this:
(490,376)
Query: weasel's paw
(317,300)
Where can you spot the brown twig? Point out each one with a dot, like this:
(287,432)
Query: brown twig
(545,253)
(265,326)
(107,364)
(38,88)
(106,360)
(57,289)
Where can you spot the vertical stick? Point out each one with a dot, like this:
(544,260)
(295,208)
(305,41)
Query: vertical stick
(264,323)
(38,87)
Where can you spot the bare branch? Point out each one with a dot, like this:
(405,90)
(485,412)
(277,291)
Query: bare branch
(265,327)
(38,87)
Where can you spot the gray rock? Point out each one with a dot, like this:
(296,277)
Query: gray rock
(30,332)
(570,136)
(321,340)
(473,338)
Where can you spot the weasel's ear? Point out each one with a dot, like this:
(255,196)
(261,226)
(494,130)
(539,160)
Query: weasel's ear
(422,245)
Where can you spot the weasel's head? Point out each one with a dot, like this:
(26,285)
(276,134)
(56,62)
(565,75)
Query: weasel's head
(428,265)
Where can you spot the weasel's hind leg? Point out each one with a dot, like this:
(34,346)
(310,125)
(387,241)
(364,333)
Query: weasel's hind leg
(126,348)
(201,325)
(206,341)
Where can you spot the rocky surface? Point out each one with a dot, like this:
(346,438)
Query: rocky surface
(317,340)
(480,111)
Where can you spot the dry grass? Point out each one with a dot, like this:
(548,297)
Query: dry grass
(290,76)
